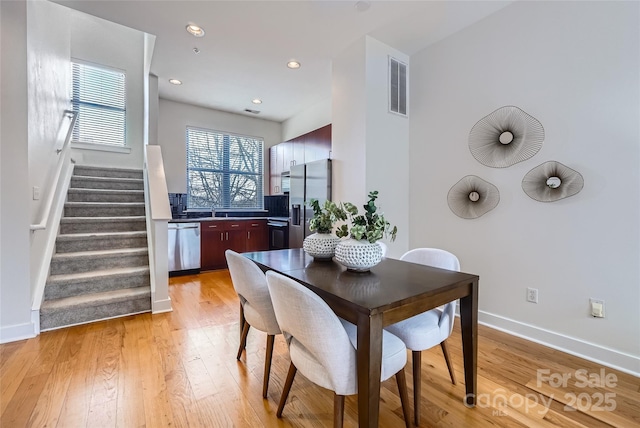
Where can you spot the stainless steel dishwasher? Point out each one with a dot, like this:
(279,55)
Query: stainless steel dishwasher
(184,248)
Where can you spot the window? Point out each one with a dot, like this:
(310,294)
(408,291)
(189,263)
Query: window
(98,98)
(224,171)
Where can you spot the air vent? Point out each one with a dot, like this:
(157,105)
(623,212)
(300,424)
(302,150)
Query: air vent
(397,87)
(248,110)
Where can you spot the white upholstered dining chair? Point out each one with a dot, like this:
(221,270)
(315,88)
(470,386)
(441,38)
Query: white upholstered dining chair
(323,346)
(256,309)
(428,329)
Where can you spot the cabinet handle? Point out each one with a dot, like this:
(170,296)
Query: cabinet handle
(221,236)
(227,234)
(214,226)
(255,224)
(249,234)
(235,225)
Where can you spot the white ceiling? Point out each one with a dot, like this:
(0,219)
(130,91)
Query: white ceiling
(248,43)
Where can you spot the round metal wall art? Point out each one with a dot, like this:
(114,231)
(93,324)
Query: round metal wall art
(551,182)
(472,197)
(505,137)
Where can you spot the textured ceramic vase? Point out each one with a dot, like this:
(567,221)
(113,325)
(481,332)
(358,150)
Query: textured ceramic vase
(359,256)
(320,246)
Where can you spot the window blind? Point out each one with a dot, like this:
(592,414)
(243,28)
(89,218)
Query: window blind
(224,171)
(98,97)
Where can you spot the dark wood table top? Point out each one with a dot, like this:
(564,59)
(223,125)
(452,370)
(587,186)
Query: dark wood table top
(391,284)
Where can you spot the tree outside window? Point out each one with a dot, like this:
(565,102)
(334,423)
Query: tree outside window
(224,171)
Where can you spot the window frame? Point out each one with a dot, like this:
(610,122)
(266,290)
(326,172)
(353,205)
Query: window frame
(226,170)
(98,143)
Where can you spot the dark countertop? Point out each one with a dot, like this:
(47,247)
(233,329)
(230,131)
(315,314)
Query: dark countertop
(201,219)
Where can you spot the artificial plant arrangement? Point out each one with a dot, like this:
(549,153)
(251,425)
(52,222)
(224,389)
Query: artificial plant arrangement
(324,217)
(370,226)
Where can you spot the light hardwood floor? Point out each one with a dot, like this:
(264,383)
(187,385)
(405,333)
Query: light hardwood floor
(179,369)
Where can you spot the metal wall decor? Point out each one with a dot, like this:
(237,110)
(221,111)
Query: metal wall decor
(472,197)
(505,137)
(551,182)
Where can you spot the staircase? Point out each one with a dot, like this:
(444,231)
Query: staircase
(100,268)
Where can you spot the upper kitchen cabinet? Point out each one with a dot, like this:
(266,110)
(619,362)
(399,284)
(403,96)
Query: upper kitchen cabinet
(306,148)
(317,144)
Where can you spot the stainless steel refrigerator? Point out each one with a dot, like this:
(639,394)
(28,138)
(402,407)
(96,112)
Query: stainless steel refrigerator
(308,181)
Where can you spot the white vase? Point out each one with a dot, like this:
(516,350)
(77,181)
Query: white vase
(320,246)
(359,256)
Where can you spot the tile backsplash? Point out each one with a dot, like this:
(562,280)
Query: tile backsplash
(178,202)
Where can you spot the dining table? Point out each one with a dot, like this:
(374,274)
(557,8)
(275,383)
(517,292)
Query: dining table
(391,291)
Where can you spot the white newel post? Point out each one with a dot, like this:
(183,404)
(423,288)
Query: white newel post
(158,214)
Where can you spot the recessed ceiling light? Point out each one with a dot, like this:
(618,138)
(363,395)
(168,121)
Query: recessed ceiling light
(363,6)
(256,101)
(293,64)
(195,30)
(175,82)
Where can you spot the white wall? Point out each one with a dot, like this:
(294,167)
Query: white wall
(348,127)
(370,145)
(15,298)
(174,117)
(105,43)
(307,120)
(575,67)
(48,77)
(387,141)
(48,90)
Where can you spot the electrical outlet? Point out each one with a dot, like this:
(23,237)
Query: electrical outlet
(36,193)
(532,295)
(597,308)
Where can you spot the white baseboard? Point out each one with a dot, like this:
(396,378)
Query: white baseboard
(161,306)
(13,333)
(589,351)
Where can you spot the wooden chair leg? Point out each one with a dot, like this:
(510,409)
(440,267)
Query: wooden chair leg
(242,320)
(417,382)
(286,389)
(267,364)
(445,351)
(243,338)
(338,410)
(404,397)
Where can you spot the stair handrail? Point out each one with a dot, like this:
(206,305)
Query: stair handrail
(54,183)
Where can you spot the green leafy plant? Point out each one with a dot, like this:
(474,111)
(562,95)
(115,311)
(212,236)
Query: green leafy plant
(324,217)
(371,225)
